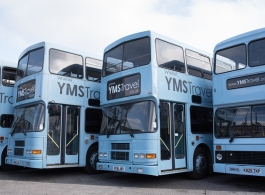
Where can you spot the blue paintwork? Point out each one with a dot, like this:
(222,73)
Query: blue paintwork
(154,87)
(48,89)
(222,98)
(6,100)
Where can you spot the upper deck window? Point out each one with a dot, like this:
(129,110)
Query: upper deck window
(93,74)
(8,76)
(198,64)
(66,64)
(230,59)
(169,56)
(30,63)
(257,53)
(127,55)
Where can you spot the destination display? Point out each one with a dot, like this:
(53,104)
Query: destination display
(26,91)
(246,81)
(123,87)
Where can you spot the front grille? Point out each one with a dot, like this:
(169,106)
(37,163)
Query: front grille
(243,157)
(19,151)
(19,143)
(120,146)
(119,155)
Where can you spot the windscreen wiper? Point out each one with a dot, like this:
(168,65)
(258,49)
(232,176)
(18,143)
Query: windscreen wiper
(238,132)
(13,126)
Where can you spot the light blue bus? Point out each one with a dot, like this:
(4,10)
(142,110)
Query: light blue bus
(57,115)
(156,97)
(8,74)
(239,104)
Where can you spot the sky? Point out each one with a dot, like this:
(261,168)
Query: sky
(91,25)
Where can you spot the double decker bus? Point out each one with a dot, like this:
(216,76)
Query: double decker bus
(239,104)
(156,98)
(57,116)
(8,74)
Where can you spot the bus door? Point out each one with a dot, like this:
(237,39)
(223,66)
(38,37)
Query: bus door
(172,136)
(63,135)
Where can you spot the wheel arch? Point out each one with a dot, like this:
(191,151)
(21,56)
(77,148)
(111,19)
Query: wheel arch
(209,156)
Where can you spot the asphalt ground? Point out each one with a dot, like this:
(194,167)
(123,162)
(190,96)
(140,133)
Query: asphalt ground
(76,181)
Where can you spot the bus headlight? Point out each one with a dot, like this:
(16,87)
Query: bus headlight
(33,151)
(100,154)
(136,155)
(142,155)
(219,156)
(105,154)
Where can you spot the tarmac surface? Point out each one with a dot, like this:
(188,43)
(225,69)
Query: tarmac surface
(75,181)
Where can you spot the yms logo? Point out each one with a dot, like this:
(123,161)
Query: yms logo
(123,87)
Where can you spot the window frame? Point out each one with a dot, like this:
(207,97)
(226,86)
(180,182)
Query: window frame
(248,49)
(246,62)
(183,55)
(196,68)
(2,72)
(1,122)
(93,68)
(28,53)
(67,66)
(87,129)
(205,110)
(251,122)
(122,60)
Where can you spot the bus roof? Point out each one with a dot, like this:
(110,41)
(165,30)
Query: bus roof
(51,45)
(151,34)
(242,38)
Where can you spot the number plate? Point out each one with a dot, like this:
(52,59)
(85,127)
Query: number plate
(255,171)
(117,168)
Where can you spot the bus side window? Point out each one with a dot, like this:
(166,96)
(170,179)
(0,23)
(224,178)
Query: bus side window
(93,120)
(6,120)
(8,76)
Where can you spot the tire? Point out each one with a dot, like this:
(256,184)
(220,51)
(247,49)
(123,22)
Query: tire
(5,166)
(200,164)
(91,160)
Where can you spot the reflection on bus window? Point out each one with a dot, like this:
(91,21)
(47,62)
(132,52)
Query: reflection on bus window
(93,69)
(230,59)
(66,64)
(6,120)
(8,76)
(169,56)
(257,53)
(128,55)
(30,63)
(28,119)
(129,118)
(234,122)
(198,65)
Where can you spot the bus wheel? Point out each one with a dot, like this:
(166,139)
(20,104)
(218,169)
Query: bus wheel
(91,160)
(200,164)
(5,166)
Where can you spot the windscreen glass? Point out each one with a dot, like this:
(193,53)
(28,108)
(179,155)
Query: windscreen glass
(230,59)
(28,119)
(30,63)
(127,55)
(129,118)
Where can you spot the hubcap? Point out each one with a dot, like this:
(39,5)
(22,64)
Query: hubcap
(201,163)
